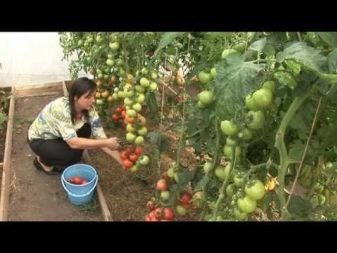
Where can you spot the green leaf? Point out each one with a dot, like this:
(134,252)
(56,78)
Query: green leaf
(305,55)
(258,45)
(201,183)
(332,61)
(236,78)
(166,39)
(299,207)
(329,38)
(327,136)
(296,150)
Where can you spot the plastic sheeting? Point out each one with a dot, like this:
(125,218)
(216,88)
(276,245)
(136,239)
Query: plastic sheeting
(28,58)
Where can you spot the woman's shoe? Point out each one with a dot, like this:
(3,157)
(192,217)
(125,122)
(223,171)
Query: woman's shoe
(38,166)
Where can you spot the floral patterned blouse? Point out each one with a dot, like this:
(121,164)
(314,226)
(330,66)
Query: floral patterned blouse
(54,121)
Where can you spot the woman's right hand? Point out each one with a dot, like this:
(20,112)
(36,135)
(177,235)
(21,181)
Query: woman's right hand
(112,143)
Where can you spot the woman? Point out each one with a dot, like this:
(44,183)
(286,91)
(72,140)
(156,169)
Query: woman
(63,128)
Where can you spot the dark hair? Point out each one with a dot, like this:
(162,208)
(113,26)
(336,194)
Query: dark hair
(79,87)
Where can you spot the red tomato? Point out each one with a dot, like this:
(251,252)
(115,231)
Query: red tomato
(185,198)
(127,164)
(139,150)
(161,185)
(115,117)
(133,157)
(123,154)
(75,180)
(168,213)
(119,109)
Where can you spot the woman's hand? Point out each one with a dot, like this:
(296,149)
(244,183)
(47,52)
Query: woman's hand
(112,143)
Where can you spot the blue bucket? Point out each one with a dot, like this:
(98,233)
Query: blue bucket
(80,199)
(79,170)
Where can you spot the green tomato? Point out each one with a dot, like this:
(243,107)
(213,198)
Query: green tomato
(269,85)
(144,160)
(110,62)
(131,113)
(144,82)
(213,72)
(142,131)
(256,119)
(255,190)
(165,195)
(204,77)
(181,210)
(227,52)
(206,97)
(246,204)
(137,107)
(239,215)
(139,140)
(230,190)
(153,86)
(240,47)
(263,98)
(114,45)
(229,150)
(245,134)
(130,137)
(239,180)
(140,98)
(250,103)
(228,127)
(220,173)
(207,167)
(230,141)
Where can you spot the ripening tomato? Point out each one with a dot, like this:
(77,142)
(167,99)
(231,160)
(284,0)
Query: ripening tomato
(139,150)
(168,213)
(115,117)
(123,154)
(133,157)
(161,185)
(127,164)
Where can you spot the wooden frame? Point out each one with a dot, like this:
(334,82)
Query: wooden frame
(6,172)
(28,91)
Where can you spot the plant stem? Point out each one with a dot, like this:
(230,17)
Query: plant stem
(304,152)
(280,145)
(214,161)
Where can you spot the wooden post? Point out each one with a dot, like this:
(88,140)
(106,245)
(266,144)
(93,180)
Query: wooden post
(104,207)
(6,172)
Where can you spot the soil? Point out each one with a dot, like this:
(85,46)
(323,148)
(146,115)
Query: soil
(34,195)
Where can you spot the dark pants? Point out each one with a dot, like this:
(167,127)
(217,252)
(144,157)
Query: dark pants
(57,152)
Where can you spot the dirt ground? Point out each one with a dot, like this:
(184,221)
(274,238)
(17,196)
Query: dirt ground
(34,195)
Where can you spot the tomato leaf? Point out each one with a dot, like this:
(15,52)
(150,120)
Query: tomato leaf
(236,78)
(329,38)
(166,39)
(258,45)
(299,207)
(332,61)
(328,136)
(305,55)
(296,150)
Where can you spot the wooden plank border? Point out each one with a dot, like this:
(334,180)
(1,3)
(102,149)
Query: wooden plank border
(6,172)
(38,90)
